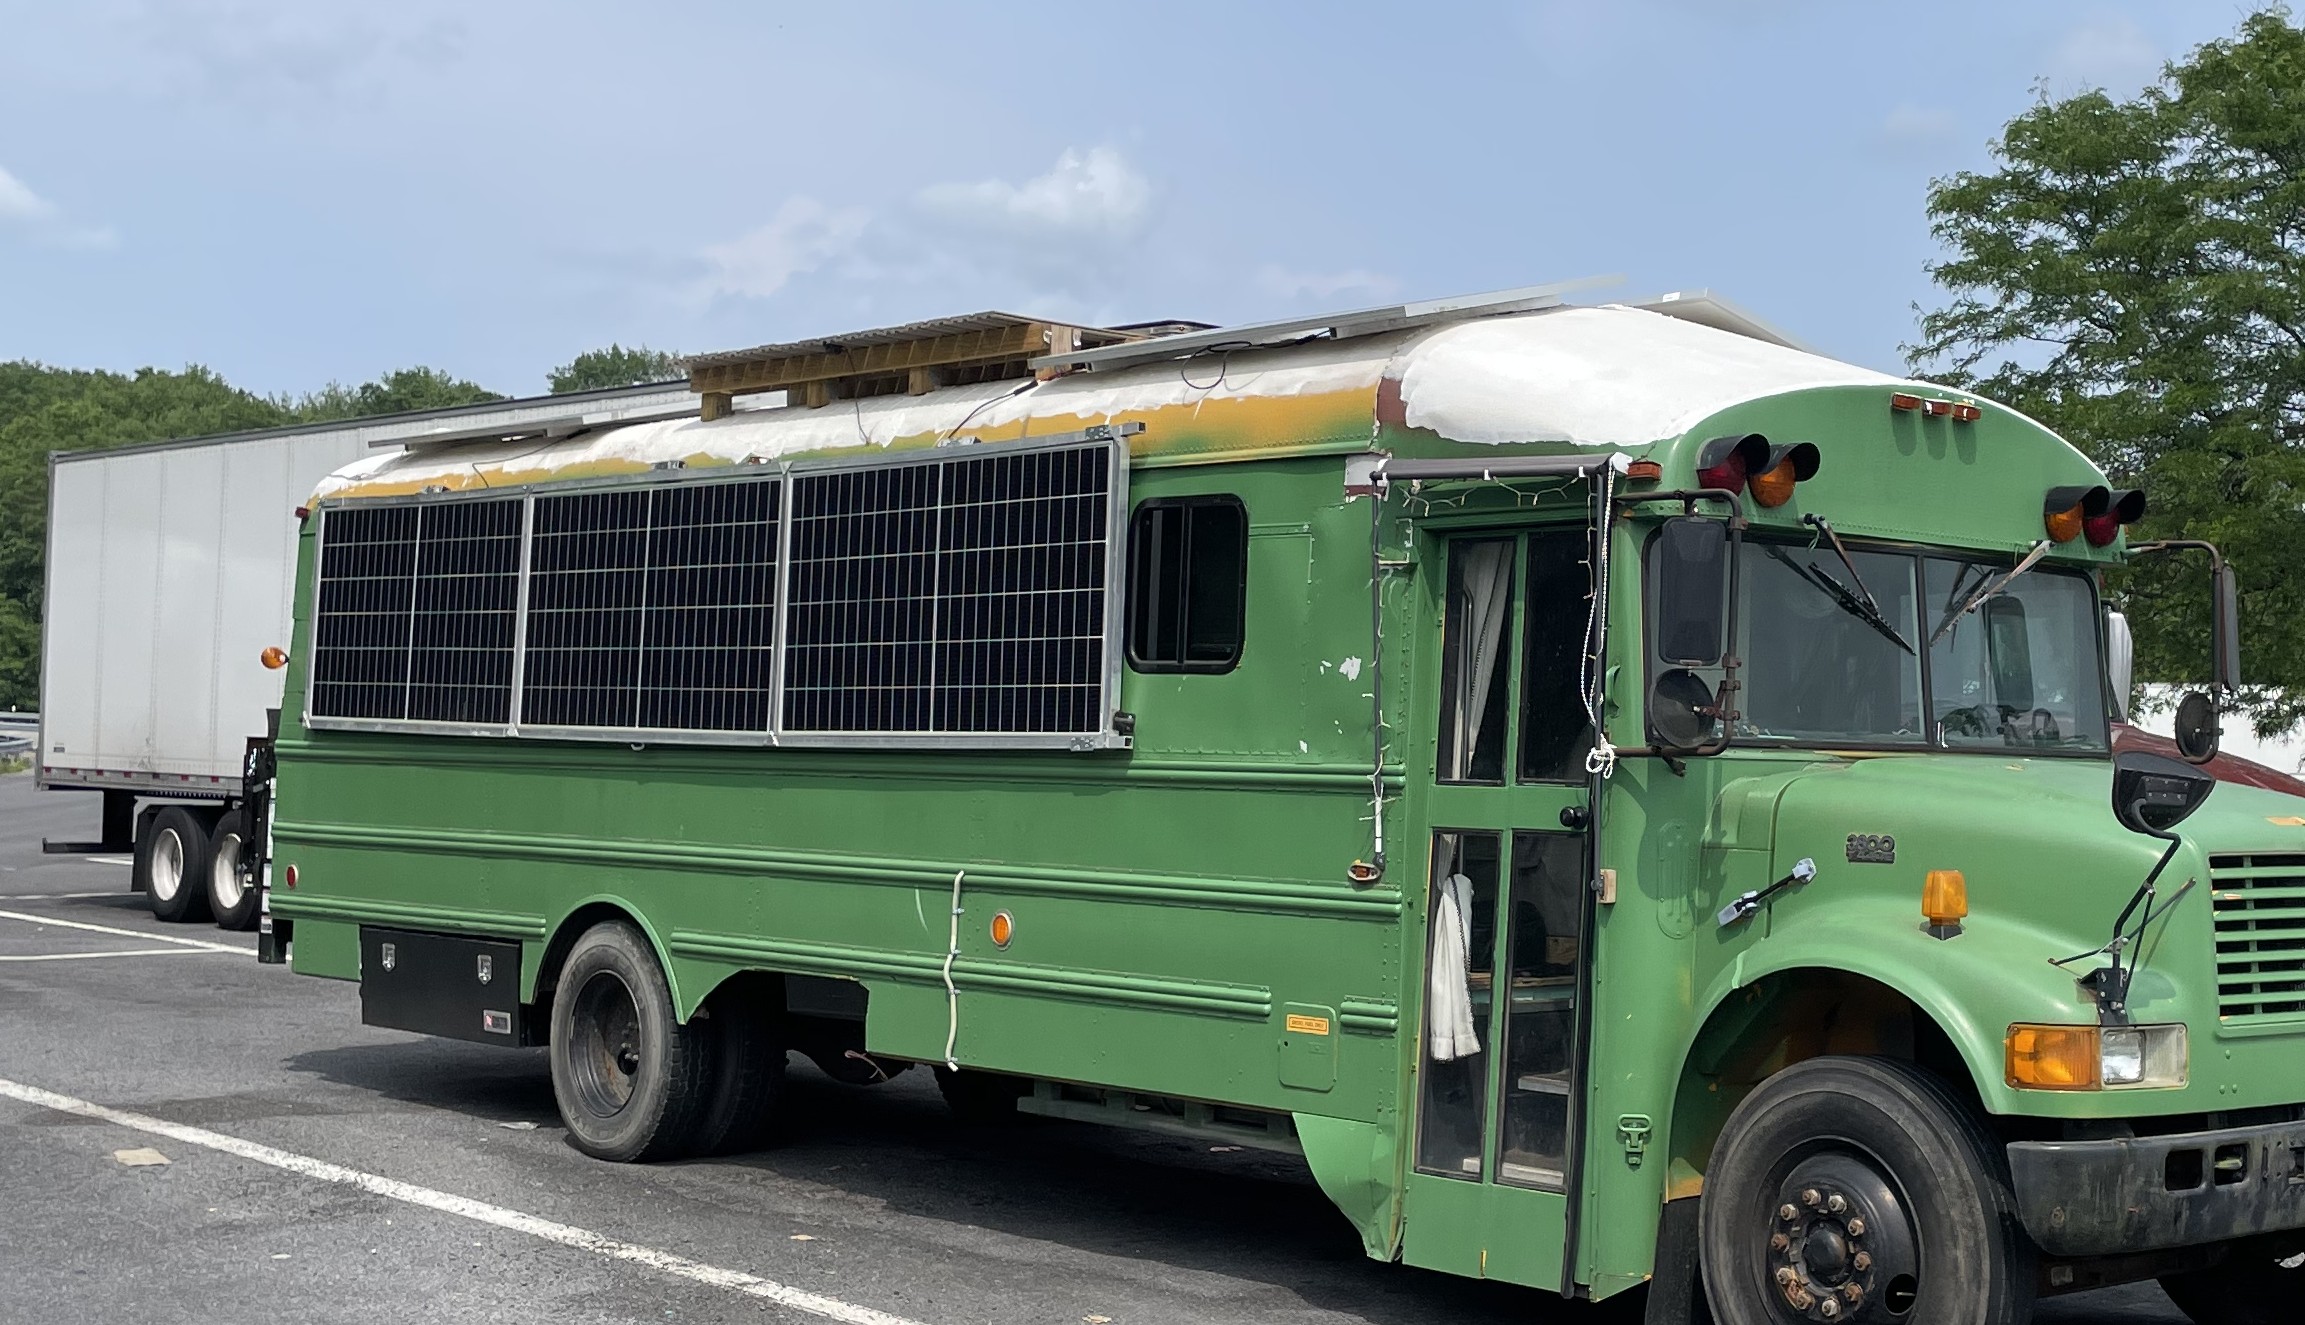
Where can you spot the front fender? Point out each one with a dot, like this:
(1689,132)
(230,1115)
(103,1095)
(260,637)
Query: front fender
(1974,985)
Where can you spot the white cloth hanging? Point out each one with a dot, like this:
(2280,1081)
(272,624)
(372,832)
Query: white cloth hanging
(1448,980)
(1487,580)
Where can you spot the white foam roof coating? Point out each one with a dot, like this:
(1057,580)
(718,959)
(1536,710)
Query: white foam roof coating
(1604,376)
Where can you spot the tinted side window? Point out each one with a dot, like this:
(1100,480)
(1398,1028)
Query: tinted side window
(1188,584)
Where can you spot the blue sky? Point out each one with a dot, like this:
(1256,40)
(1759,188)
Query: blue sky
(297,192)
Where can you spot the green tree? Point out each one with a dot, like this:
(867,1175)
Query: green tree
(2133,274)
(596,370)
(395,393)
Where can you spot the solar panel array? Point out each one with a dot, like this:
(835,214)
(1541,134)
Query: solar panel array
(953,596)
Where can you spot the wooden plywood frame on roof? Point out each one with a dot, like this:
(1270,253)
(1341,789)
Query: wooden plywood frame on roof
(814,378)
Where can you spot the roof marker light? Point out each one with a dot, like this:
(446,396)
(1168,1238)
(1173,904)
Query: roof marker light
(1964,412)
(1904,400)
(1937,409)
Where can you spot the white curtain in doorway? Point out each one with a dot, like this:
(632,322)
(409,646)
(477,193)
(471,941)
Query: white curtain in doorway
(1487,578)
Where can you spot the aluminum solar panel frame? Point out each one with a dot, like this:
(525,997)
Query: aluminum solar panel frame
(965,597)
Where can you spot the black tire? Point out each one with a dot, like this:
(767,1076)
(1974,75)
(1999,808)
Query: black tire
(741,1029)
(981,1098)
(1867,1173)
(172,864)
(2260,1283)
(631,1081)
(233,904)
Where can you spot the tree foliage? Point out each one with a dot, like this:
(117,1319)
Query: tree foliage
(2133,275)
(596,370)
(45,409)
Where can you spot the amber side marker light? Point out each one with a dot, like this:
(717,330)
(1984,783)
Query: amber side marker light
(274,657)
(1003,929)
(1944,902)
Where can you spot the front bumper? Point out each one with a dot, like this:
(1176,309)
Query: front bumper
(2188,1189)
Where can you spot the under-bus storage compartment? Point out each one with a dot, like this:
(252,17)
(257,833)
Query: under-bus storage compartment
(441,984)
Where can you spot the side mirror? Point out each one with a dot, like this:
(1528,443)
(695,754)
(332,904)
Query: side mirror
(2152,794)
(2120,662)
(1691,567)
(2197,728)
(1682,710)
(2225,627)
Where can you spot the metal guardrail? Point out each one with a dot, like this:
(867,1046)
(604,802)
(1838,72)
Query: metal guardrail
(19,732)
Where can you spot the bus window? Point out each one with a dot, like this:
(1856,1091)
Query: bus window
(1188,584)
(1461,938)
(1555,729)
(1544,944)
(1475,643)
(2019,668)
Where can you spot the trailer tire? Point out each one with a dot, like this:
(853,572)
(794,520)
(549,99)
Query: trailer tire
(233,903)
(747,1075)
(172,863)
(1863,1174)
(629,1077)
(2259,1283)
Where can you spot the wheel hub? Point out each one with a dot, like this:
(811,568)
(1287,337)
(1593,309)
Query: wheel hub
(1841,1247)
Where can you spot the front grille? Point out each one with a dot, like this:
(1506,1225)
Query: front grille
(2260,916)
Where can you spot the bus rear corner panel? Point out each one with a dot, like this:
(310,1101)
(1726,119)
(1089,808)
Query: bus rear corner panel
(443,984)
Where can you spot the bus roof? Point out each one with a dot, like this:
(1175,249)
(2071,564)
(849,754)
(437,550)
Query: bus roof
(1611,376)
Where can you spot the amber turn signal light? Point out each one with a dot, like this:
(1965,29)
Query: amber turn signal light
(2065,510)
(1945,898)
(274,657)
(2053,1057)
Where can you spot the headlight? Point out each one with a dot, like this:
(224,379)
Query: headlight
(2096,1058)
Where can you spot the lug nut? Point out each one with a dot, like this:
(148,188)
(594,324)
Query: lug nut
(1786,1274)
(1863,1261)
(1836,1203)
(1829,1308)
(1800,1299)
(1856,1228)
(1787,1213)
(1809,1197)
(1780,1242)
(1853,1292)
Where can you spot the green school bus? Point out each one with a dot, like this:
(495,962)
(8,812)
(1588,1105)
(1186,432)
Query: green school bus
(1628,800)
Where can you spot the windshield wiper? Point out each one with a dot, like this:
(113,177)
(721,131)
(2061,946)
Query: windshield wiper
(1994,589)
(1864,609)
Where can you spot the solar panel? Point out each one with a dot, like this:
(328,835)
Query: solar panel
(961,596)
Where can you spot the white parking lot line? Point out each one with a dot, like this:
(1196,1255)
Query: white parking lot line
(109,860)
(737,1281)
(84,956)
(62,897)
(124,933)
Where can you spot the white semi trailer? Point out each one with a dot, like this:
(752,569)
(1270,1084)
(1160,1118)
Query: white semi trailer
(170,570)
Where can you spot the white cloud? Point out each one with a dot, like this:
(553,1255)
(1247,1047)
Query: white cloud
(1092,194)
(1297,285)
(802,236)
(19,203)
(2110,52)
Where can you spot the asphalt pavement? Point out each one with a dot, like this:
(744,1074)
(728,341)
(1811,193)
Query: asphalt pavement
(316,1170)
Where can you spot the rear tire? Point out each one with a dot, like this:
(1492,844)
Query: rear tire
(2259,1284)
(747,1079)
(1886,1192)
(231,901)
(630,1079)
(172,864)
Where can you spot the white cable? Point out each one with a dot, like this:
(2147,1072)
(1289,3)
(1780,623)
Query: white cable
(1601,760)
(952,994)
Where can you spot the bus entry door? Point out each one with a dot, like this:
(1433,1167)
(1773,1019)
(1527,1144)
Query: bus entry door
(1499,1050)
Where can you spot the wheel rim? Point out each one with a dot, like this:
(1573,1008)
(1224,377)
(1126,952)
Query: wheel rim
(225,878)
(1840,1244)
(167,865)
(606,1054)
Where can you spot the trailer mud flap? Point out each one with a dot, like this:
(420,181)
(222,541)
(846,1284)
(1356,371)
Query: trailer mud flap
(441,984)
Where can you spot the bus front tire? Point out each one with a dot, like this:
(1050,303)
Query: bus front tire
(2260,1283)
(1867,1179)
(632,1081)
(172,863)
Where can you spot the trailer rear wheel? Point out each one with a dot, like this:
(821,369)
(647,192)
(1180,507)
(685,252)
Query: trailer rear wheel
(747,1074)
(631,1080)
(230,899)
(1855,1190)
(172,862)
(2259,1284)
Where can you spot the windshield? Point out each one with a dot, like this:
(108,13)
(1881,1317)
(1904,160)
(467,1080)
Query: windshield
(1839,652)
